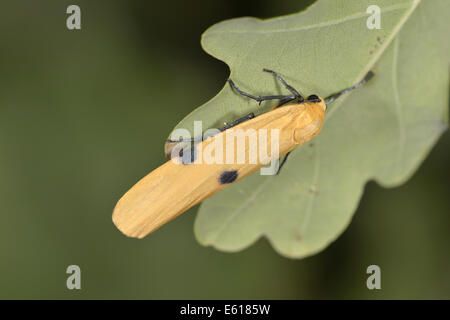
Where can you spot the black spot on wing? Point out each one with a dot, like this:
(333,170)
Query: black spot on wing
(228,177)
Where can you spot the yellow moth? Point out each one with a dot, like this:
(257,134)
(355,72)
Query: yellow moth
(178,185)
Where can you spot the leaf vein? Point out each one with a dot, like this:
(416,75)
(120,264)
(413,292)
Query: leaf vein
(355,16)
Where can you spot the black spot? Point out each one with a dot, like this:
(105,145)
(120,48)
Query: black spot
(188,155)
(313,98)
(228,177)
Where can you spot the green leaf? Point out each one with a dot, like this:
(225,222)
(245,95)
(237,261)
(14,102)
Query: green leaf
(381,131)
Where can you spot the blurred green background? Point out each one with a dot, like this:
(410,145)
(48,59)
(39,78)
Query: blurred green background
(84,115)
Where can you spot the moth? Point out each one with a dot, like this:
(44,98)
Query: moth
(185,181)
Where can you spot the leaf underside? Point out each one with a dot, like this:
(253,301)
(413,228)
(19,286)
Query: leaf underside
(381,131)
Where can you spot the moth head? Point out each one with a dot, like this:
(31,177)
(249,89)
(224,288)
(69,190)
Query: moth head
(316,99)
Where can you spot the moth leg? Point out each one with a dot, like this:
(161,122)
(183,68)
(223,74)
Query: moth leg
(290,88)
(260,98)
(283,102)
(283,162)
(238,121)
(225,127)
(186,140)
